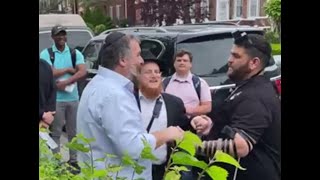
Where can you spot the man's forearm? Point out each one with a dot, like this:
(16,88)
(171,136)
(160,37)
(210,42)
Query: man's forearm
(78,75)
(59,72)
(201,109)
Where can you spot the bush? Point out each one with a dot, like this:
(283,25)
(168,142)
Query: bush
(90,26)
(95,17)
(124,23)
(51,166)
(99,28)
(276,49)
(272,37)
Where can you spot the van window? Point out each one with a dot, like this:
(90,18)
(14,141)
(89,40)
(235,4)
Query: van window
(74,39)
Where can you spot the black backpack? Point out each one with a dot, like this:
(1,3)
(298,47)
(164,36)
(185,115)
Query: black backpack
(195,79)
(72,52)
(82,82)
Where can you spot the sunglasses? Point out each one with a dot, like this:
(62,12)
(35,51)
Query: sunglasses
(243,38)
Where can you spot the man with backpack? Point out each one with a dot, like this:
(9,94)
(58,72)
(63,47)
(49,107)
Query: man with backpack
(68,67)
(193,90)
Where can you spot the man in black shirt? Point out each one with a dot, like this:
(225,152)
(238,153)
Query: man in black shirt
(248,124)
(47,94)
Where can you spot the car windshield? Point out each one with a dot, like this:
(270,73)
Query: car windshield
(74,39)
(210,53)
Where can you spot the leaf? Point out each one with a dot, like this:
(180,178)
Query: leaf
(226,158)
(127,160)
(182,158)
(139,179)
(189,142)
(147,152)
(100,159)
(86,172)
(84,139)
(114,168)
(172,175)
(110,155)
(100,173)
(179,168)
(217,173)
(121,178)
(86,164)
(138,168)
(76,146)
(43,130)
(58,156)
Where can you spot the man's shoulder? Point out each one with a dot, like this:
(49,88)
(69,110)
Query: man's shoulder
(202,81)
(261,88)
(170,97)
(44,53)
(107,86)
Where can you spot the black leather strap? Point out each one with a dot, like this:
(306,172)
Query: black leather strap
(156,113)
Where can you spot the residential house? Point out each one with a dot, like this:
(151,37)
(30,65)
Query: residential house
(217,10)
(117,9)
(236,9)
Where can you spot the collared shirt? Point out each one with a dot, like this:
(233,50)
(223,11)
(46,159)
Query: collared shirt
(63,60)
(147,106)
(109,113)
(184,89)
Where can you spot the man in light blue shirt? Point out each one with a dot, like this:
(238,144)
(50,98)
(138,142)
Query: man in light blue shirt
(68,67)
(109,112)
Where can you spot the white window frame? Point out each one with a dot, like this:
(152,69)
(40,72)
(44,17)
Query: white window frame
(218,10)
(235,9)
(111,12)
(118,11)
(257,8)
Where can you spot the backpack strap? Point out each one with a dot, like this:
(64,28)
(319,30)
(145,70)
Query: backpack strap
(73,57)
(166,82)
(197,85)
(52,55)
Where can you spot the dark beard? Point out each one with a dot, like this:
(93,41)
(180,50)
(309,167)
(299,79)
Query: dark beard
(150,93)
(240,74)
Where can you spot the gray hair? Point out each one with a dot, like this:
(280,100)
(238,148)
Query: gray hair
(110,56)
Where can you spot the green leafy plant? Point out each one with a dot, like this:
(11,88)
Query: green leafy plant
(99,28)
(51,166)
(276,49)
(187,158)
(273,10)
(96,20)
(272,36)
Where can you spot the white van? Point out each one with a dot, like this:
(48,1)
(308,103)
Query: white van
(78,32)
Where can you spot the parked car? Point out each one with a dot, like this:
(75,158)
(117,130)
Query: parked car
(261,22)
(209,44)
(277,59)
(78,32)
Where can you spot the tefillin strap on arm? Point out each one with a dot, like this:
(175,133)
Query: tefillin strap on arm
(227,144)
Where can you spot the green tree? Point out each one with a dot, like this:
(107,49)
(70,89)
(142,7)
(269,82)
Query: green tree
(273,10)
(95,17)
(94,3)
